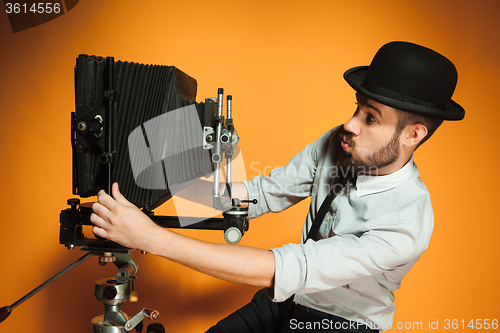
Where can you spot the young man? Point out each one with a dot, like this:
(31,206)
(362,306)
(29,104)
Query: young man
(370,217)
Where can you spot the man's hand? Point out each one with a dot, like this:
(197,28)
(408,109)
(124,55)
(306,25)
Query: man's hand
(118,220)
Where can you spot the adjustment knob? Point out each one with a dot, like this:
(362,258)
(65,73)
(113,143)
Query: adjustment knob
(96,126)
(232,235)
(134,298)
(73,203)
(109,292)
(106,257)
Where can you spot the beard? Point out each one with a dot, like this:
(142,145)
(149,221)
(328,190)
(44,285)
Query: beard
(381,158)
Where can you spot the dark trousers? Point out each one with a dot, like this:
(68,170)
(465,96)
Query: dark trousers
(262,315)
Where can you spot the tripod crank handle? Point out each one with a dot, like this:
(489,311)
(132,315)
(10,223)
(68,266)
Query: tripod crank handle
(137,319)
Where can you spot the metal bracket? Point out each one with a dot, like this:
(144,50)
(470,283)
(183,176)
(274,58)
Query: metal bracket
(208,136)
(144,313)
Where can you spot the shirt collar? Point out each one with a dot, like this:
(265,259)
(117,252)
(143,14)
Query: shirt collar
(366,185)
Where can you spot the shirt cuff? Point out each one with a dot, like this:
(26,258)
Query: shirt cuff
(253,193)
(290,271)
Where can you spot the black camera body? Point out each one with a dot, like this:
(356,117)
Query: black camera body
(114,98)
(139,125)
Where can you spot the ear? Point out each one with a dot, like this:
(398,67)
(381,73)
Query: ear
(414,134)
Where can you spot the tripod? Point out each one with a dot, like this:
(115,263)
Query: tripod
(112,292)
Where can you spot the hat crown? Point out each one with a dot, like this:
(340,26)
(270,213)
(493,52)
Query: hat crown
(413,72)
(411,78)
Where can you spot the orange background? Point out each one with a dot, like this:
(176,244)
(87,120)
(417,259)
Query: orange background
(283,63)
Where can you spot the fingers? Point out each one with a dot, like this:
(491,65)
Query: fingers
(96,218)
(106,200)
(99,231)
(99,225)
(110,202)
(118,196)
(107,206)
(99,209)
(111,215)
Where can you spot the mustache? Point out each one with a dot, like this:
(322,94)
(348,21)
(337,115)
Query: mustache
(346,136)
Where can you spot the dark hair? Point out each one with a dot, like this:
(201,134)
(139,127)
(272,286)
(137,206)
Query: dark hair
(406,118)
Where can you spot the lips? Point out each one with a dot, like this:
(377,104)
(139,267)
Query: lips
(345,145)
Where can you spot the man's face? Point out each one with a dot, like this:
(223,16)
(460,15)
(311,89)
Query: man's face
(370,140)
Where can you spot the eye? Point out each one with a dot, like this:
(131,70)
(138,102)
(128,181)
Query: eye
(370,118)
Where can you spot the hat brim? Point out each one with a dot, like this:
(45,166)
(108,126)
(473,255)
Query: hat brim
(356,75)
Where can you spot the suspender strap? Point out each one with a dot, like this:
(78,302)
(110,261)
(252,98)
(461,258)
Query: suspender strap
(313,232)
(335,140)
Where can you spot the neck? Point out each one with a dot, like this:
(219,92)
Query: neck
(393,167)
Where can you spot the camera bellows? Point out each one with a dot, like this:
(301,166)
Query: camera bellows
(138,125)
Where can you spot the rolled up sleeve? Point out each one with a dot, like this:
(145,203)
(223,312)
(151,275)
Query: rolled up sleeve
(336,261)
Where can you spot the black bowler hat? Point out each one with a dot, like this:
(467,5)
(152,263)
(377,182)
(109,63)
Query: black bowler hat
(411,78)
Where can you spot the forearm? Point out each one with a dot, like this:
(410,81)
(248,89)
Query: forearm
(239,190)
(234,263)
(118,220)
(200,191)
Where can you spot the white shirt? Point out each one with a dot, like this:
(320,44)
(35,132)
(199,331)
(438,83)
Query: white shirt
(369,239)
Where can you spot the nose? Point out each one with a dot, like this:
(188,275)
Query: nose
(352,126)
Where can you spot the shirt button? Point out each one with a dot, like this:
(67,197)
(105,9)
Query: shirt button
(328,218)
(341,192)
